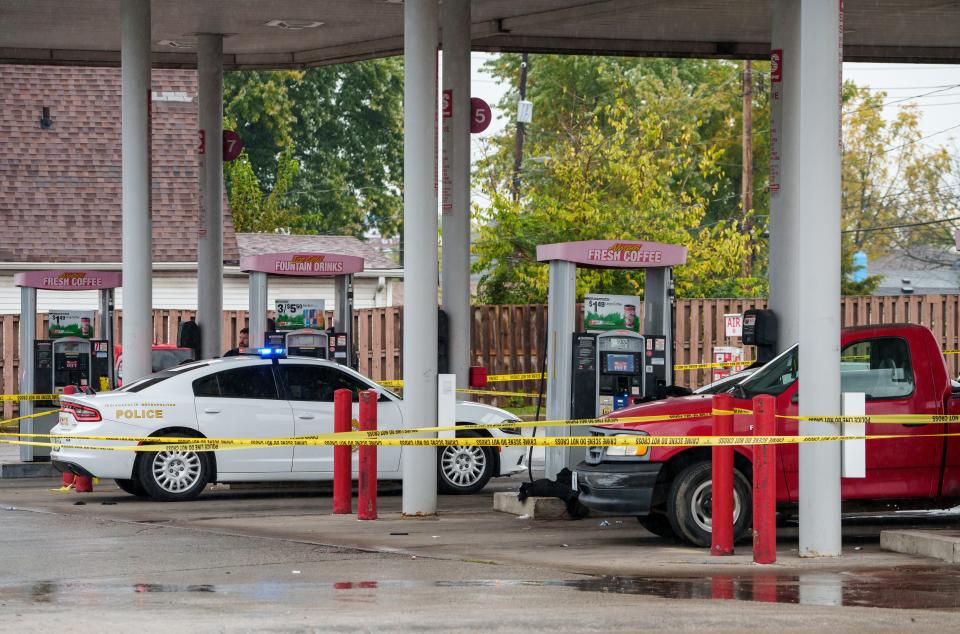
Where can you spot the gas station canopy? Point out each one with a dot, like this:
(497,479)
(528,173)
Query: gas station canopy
(303,33)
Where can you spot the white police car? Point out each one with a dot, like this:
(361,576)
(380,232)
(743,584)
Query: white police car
(250,397)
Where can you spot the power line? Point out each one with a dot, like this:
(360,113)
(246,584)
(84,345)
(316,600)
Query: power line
(902,226)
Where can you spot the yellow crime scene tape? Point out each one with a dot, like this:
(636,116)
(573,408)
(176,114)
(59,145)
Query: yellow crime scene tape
(498,393)
(28,397)
(357,438)
(522,441)
(9,421)
(368,434)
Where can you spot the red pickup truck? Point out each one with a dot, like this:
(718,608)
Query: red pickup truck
(899,367)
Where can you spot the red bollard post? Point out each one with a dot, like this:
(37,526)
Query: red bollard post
(721,538)
(83,484)
(342,454)
(764,482)
(367,504)
(66,480)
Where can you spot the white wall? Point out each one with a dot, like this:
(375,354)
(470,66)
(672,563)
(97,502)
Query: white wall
(178,290)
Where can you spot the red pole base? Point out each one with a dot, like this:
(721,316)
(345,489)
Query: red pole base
(764,482)
(84,484)
(367,485)
(342,454)
(721,538)
(66,479)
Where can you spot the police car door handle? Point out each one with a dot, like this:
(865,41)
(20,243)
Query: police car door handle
(305,416)
(211,410)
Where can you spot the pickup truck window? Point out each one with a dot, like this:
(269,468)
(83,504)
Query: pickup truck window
(773,378)
(880,368)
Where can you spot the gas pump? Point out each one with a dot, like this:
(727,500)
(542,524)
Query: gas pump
(607,372)
(307,342)
(643,361)
(47,366)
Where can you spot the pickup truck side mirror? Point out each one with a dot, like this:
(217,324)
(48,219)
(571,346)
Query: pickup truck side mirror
(795,398)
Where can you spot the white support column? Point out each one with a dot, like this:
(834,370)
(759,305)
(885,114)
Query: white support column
(561,321)
(455,210)
(28,330)
(420,251)
(784,267)
(210,240)
(818,140)
(137,224)
(257,313)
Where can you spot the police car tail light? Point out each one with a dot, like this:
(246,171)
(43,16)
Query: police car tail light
(81,412)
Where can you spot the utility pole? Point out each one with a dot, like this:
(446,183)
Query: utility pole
(746,177)
(518,149)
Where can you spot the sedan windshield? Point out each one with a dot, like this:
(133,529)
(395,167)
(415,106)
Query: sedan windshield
(773,378)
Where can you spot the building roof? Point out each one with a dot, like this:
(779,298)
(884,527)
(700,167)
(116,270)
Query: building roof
(257,243)
(926,270)
(60,189)
(302,33)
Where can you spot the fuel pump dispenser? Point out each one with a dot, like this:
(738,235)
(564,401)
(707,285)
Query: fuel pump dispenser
(48,366)
(607,372)
(619,363)
(334,344)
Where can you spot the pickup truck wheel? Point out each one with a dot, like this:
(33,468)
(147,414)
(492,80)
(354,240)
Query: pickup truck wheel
(690,504)
(658,524)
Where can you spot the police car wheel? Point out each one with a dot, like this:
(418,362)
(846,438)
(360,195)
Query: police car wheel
(132,486)
(462,469)
(174,476)
(690,504)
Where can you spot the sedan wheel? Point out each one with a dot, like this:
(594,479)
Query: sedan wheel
(171,476)
(464,469)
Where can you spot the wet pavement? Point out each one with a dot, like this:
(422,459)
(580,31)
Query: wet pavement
(259,561)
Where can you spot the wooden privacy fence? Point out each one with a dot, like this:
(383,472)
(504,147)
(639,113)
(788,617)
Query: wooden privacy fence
(508,339)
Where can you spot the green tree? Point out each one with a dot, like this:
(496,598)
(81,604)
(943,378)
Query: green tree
(343,126)
(623,149)
(626,179)
(892,177)
(254,210)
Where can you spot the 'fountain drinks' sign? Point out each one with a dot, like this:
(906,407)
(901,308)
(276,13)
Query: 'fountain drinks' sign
(294,314)
(70,323)
(611,312)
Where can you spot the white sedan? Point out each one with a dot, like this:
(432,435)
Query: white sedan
(250,397)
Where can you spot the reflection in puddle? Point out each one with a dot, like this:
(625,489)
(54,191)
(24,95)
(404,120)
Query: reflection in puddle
(905,587)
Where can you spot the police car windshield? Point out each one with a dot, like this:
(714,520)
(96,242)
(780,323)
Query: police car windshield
(152,379)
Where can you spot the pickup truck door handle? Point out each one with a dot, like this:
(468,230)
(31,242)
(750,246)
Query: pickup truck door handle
(211,410)
(305,416)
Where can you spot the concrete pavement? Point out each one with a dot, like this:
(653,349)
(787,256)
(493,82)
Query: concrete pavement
(260,561)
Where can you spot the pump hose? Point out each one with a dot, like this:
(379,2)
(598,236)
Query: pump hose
(543,370)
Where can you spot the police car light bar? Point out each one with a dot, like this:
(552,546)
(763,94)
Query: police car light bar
(272,353)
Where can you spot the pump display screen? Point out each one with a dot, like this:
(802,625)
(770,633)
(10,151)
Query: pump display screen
(620,364)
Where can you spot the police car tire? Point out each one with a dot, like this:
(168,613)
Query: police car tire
(444,485)
(681,500)
(144,473)
(132,486)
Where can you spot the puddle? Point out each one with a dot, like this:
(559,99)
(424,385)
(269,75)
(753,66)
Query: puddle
(905,587)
